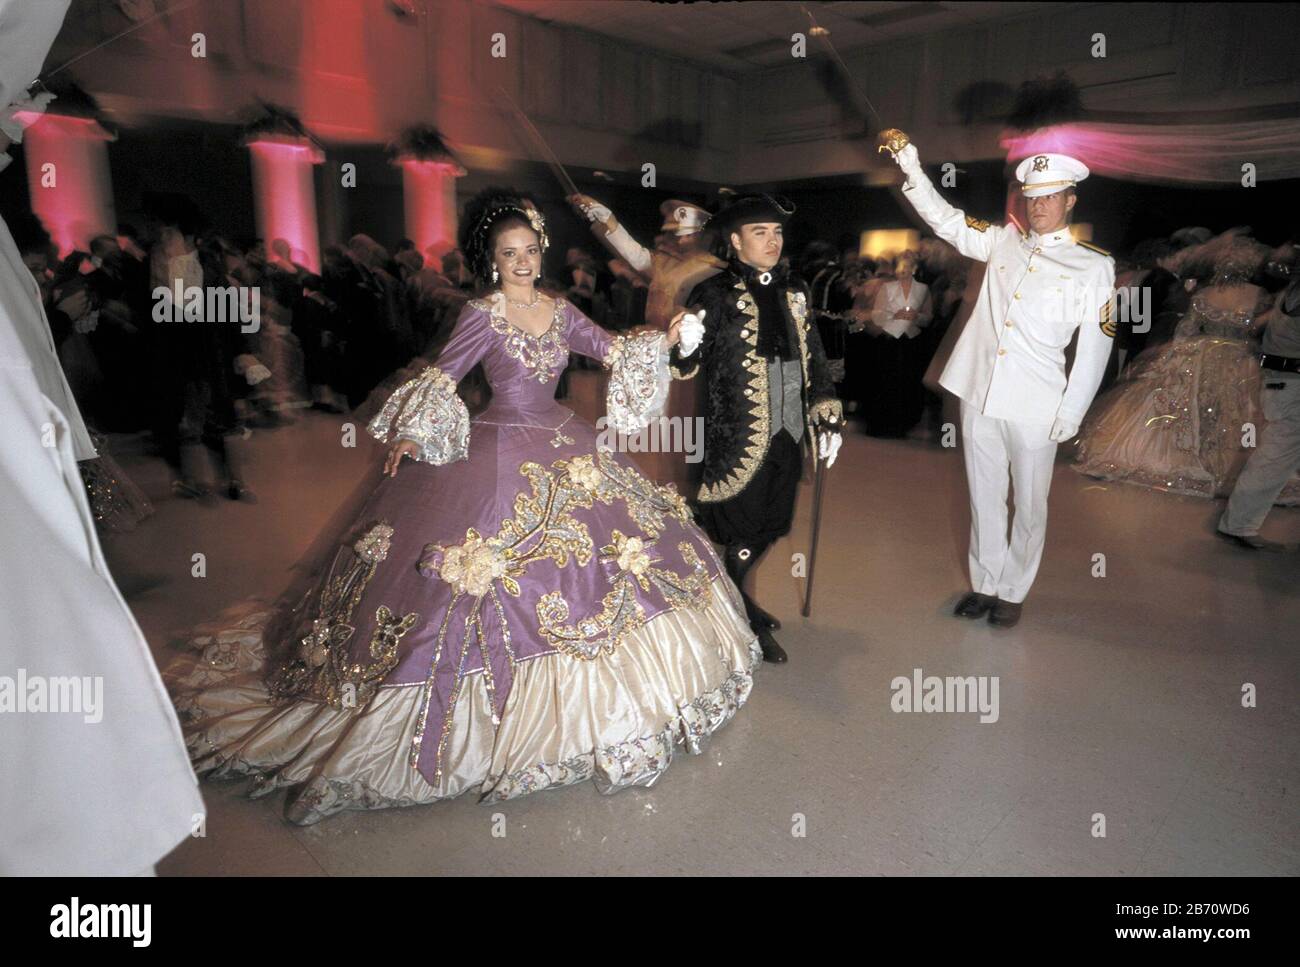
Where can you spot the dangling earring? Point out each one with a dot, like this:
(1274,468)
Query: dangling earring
(495,276)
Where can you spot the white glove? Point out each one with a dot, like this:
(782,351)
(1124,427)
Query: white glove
(691,333)
(1063,430)
(596,212)
(907,158)
(830,447)
(248,366)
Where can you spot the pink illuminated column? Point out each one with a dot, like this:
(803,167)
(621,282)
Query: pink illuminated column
(67,174)
(429,193)
(284,194)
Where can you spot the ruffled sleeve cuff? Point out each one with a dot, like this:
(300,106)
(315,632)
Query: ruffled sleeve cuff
(427,411)
(638,380)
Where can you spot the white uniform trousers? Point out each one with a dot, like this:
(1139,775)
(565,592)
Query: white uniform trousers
(1001,454)
(1274,461)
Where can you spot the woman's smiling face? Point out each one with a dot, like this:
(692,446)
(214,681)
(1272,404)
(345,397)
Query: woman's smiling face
(517,255)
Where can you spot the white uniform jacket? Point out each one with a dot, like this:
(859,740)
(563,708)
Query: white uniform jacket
(1009,362)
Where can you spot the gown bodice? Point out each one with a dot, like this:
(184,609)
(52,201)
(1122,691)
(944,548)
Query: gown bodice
(522,369)
(1203,318)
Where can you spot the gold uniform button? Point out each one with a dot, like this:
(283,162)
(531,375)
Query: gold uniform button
(1032,269)
(1002,352)
(1010,325)
(1017,295)
(744,334)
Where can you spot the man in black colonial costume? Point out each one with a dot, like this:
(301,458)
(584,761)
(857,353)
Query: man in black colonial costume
(767,388)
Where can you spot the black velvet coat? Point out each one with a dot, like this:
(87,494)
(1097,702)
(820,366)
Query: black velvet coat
(737,421)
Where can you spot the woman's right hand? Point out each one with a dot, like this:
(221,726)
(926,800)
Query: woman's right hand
(400,449)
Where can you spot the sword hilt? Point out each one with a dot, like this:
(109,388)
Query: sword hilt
(893,140)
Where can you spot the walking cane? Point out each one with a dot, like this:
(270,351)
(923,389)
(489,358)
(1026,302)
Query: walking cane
(819,485)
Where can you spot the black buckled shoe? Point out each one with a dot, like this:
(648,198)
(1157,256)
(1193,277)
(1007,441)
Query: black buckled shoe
(1005,614)
(768,621)
(772,652)
(974,605)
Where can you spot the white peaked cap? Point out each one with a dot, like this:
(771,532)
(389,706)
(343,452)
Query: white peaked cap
(1046,174)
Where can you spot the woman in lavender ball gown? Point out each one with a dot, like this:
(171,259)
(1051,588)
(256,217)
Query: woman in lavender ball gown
(514,608)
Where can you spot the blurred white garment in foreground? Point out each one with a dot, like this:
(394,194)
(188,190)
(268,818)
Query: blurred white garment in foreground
(95,777)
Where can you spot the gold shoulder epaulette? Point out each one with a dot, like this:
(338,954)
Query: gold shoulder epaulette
(1094,248)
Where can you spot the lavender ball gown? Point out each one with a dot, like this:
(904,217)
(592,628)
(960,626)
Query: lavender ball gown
(517,609)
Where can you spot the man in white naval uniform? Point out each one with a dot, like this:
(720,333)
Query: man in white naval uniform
(1008,366)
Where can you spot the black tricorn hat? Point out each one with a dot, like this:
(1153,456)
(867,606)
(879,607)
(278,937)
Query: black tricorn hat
(748,209)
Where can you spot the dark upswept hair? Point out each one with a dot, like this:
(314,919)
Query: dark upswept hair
(486,216)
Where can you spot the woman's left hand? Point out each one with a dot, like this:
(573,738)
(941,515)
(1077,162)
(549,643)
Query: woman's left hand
(675,328)
(400,449)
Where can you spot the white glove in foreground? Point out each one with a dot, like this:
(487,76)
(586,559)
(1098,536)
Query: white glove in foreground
(830,447)
(1063,430)
(691,333)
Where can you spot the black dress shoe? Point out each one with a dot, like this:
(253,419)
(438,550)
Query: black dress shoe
(974,605)
(771,650)
(1251,542)
(1005,614)
(768,621)
(189,489)
(235,490)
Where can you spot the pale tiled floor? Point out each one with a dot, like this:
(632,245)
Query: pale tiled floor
(1118,695)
